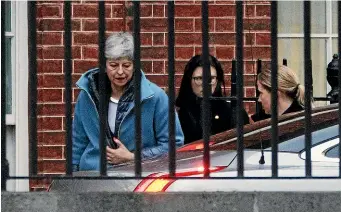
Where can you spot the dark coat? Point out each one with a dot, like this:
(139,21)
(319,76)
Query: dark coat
(294,107)
(221,119)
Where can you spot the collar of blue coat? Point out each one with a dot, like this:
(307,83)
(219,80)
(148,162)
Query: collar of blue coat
(146,91)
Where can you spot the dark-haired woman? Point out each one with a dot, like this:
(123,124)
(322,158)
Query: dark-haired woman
(190,98)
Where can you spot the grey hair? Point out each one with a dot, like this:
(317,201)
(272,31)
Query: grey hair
(119,45)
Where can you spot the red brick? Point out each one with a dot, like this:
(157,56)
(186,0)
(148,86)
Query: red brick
(51,38)
(198,50)
(184,25)
(257,52)
(50,66)
(160,80)
(146,39)
(158,39)
(159,11)
(221,11)
(250,92)
(147,66)
(153,52)
(117,11)
(153,25)
(227,66)
(39,184)
(51,138)
(249,80)
(50,152)
(51,166)
(184,52)
(57,52)
(50,95)
(249,11)
(146,10)
(223,38)
(51,11)
(249,39)
(158,67)
(198,24)
(56,25)
(50,123)
(90,52)
(81,66)
(183,2)
(250,67)
(88,11)
(263,10)
(188,39)
(232,2)
(111,25)
(179,66)
(51,81)
(226,53)
(257,24)
(51,109)
(187,10)
(263,39)
(224,25)
(85,38)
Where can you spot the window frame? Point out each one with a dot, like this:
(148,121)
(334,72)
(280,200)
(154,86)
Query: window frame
(328,36)
(17,122)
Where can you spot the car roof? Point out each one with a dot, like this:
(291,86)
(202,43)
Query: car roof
(289,125)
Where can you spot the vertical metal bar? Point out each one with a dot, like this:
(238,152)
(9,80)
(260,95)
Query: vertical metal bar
(32,50)
(285,62)
(258,104)
(4,162)
(171,91)
(234,89)
(308,87)
(240,87)
(205,110)
(102,61)
(137,89)
(68,84)
(339,77)
(234,78)
(274,87)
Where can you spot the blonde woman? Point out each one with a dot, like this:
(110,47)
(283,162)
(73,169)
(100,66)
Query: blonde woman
(290,93)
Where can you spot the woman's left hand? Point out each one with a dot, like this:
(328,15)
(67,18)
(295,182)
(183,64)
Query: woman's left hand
(119,155)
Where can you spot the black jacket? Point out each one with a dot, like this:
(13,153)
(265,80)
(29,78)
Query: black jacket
(294,107)
(221,119)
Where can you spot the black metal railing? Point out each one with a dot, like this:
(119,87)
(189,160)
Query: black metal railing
(237,91)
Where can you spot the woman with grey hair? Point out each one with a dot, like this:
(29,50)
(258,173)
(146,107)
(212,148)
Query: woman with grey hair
(120,117)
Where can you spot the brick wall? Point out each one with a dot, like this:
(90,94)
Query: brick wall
(50,26)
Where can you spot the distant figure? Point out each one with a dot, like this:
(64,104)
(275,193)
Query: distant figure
(119,113)
(189,100)
(290,93)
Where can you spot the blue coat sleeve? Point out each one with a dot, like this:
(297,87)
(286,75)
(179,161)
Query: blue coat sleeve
(79,137)
(161,118)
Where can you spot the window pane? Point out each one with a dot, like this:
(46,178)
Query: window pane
(319,61)
(8,16)
(292,50)
(318,17)
(290,17)
(333,152)
(335,47)
(334,8)
(8,69)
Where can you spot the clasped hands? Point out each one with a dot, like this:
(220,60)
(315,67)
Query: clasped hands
(119,155)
